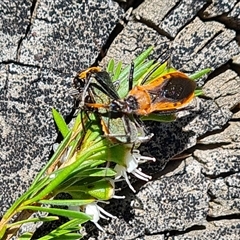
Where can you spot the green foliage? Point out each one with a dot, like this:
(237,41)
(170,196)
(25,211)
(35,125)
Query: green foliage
(77,167)
(60,122)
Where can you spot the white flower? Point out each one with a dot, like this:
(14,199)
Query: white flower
(132,159)
(96,213)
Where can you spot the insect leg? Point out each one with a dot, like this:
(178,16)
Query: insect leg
(130,77)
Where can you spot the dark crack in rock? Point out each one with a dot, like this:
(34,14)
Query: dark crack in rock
(169,16)
(193,45)
(15,19)
(218,7)
(225,156)
(175,201)
(184,12)
(221,230)
(193,199)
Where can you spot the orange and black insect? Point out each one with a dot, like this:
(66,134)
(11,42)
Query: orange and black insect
(165,94)
(168,93)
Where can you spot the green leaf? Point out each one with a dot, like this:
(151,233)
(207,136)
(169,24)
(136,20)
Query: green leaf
(63,236)
(141,70)
(71,224)
(117,71)
(60,122)
(142,57)
(62,175)
(3,231)
(78,121)
(60,212)
(200,73)
(32,220)
(110,66)
(64,231)
(198,92)
(75,143)
(88,171)
(56,154)
(68,202)
(162,70)
(159,118)
(40,185)
(77,173)
(97,172)
(101,190)
(137,61)
(138,74)
(26,236)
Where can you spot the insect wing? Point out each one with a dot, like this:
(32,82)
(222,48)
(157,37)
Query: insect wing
(116,129)
(174,89)
(124,130)
(170,92)
(104,83)
(100,91)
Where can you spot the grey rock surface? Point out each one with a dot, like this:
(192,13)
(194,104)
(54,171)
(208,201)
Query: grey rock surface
(27,130)
(68,35)
(222,229)
(173,202)
(219,7)
(135,37)
(224,89)
(194,43)
(15,19)
(170,17)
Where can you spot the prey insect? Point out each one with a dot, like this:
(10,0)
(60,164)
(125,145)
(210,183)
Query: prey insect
(95,89)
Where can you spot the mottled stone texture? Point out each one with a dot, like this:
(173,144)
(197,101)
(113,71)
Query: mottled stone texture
(133,39)
(68,35)
(15,20)
(27,129)
(219,7)
(169,16)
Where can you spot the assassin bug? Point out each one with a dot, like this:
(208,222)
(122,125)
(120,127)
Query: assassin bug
(96,88)
(168,93)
